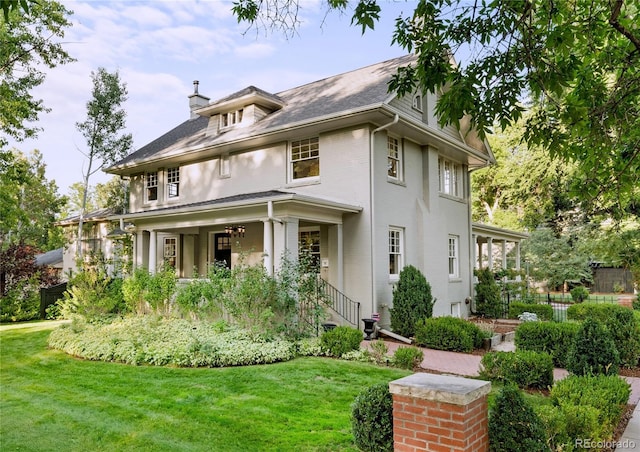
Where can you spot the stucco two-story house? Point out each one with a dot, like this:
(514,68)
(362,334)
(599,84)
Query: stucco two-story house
(364,179)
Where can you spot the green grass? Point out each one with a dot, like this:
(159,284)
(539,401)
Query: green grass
(50,401)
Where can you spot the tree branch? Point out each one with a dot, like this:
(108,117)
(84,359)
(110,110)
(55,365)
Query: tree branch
(615,23)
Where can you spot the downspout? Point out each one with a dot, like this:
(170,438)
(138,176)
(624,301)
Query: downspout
(396,118)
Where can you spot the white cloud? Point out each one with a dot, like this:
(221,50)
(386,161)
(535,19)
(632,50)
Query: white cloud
(147,16)
(255,50)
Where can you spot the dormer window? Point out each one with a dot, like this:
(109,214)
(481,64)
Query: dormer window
(417,102)
(231,118)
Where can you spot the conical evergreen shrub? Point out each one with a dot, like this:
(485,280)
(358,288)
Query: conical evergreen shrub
(412,301)
(593,351)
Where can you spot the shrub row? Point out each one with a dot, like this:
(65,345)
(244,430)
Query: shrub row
(620,322)
(448,333)
(543,311)
(584,407)
(526,369)
(554,338)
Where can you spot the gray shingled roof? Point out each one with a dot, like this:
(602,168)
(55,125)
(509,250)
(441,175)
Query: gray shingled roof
(353,90)
(52,257)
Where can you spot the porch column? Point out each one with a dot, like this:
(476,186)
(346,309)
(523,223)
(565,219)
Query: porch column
(267,240)
(490,253)
(474,253)
(504,254)
(518,256)
(153,246)
(339,243)
(285,241)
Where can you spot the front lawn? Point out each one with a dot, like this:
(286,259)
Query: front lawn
(51,401)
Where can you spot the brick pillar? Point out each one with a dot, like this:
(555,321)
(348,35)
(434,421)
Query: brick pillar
(440,413)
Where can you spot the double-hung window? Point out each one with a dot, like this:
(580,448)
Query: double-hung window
(394,159)
(454,261)
(395,252)
(305,158)
(173,182)
(151,186)
(450,176)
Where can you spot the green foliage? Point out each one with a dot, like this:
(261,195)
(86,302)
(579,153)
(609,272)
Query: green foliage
(448,333)
(164,341)
(22,301)
(412,301)
(593,351)
(488,299)
(30,43)
(513,424)
(585,407)
(29,204)
(579,294)
(554,338)
(372,419)
(524,368)
(624,329)
(92,293)
(407,357)
(145,293)
(543,311)
(378,351)
(340,340)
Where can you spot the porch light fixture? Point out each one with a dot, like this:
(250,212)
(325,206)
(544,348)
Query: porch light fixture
(234,231)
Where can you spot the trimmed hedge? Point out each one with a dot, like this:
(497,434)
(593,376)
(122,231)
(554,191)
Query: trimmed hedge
(593,350)
(372,419)
(527,369)
(340,340)
(448,333)
(621,323)
(514,425)
(407,357)
(584,407)
(412,301)
(543,311)
(554,338)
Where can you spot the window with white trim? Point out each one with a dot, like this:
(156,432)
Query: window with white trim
(305,158)
(151,186)
(450,177)
(394,158)
(173,182)
(454,261)
(417,102)
(231,118)
(170,252)
(309,247)
(395,252)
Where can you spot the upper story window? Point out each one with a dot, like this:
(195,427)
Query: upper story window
(417,102)
(394,158)
(305,158)
(173,182)
(450,177)
(454,261)
(230,118)
(395,252)
(151,186)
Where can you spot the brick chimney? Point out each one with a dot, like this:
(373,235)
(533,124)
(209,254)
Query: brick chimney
(196,100)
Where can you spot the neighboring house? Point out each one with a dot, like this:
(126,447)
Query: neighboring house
(367,181)
(53,260)
(96,227)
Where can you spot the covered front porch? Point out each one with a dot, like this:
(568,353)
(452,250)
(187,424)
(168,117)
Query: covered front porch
(245,229)
(496,248)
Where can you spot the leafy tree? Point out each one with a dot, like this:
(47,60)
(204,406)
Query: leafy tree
(111,194)
(28,42)
(577,63)
(103,130)
(29,203)
(553,258)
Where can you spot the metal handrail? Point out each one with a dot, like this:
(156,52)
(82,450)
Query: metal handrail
(344,306)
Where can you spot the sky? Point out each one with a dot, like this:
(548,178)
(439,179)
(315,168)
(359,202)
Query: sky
(160,47)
